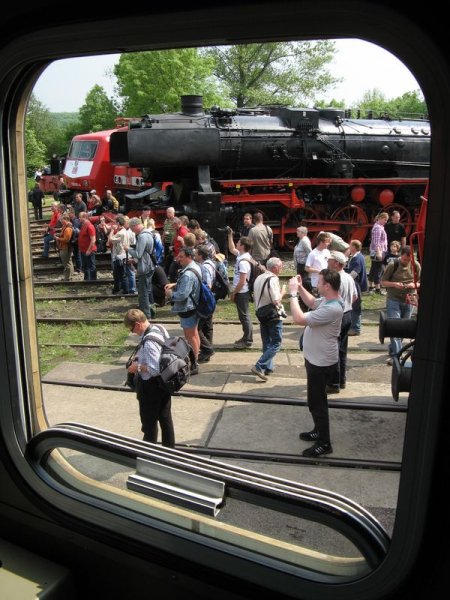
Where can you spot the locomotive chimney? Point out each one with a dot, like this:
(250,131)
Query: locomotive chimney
(192,105)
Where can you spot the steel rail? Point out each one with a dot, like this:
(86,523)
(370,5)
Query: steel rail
(305,502)
(355,463)
(257,399)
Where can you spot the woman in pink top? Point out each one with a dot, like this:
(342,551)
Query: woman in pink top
(378,249)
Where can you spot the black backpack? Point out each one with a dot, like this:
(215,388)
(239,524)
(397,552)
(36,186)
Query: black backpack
(255,269)
(174,364)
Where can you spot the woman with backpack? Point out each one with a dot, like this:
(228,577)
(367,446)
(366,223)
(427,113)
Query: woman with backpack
(184,296)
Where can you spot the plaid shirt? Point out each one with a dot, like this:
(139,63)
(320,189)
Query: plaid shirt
(378,239)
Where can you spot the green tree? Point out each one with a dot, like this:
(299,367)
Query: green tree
(330,104)
(292,73)
(152,82)
(35,151)
(45,126)
(409,105)
(98,111)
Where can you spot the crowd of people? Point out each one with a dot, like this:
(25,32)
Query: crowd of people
(325,295)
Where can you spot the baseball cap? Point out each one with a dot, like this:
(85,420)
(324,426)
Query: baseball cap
(339,257)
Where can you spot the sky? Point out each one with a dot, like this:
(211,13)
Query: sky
(362,66)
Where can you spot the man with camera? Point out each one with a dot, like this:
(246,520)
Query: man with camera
(321,350)
(270,313)
(401,279)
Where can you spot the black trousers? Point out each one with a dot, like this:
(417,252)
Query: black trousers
(154,408)
(205,331)
(317,398)
(339,376)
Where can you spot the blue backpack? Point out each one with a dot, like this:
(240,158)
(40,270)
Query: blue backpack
(206,304)
(158,250)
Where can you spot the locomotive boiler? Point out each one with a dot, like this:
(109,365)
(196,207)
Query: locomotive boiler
(317,167)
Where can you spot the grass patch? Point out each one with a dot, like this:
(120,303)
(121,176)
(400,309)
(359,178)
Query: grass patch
(109,335)
(82,333)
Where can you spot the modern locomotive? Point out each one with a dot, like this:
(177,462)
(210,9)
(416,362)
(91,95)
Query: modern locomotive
(322,168)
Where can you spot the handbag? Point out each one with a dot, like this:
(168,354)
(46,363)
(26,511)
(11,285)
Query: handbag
(131,377)
(268,312)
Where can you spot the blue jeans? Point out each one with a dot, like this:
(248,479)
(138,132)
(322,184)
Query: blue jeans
(131,276)
(48,238)
(397,310)
(88,266)
(145,293)
(271,336)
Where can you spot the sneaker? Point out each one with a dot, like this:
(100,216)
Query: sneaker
(319,449)
(241,344)
(390,362)
(194,369)
(259,373)
(309,436)
(205,357)
(268,373)
(353,332)
(332,389)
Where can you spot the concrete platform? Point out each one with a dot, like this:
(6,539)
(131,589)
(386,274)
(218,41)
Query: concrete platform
(254,426)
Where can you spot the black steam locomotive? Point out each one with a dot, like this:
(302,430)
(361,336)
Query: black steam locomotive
(295,164)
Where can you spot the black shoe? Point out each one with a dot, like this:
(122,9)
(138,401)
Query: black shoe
(354,332)
(319,449)
(332,389)
(342,386)
(194,369)
(204,358)
(309,436)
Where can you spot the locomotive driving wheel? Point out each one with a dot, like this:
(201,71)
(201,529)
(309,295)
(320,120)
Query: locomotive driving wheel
(405,216)
(352,222)
(301,216)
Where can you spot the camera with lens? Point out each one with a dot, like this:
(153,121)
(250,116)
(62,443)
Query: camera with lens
(281,312)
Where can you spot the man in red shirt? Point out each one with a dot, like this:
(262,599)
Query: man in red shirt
(87,247)
(50,230)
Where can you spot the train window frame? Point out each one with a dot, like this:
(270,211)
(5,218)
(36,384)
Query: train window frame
(92,147)
(21,370)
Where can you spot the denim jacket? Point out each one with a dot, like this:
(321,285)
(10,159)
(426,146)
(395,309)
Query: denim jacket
(187,289)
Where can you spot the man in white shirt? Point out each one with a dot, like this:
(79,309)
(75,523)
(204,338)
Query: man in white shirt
(240,293)
(267,292)
(318,259)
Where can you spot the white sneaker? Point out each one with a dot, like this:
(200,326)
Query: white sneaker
(259,374)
